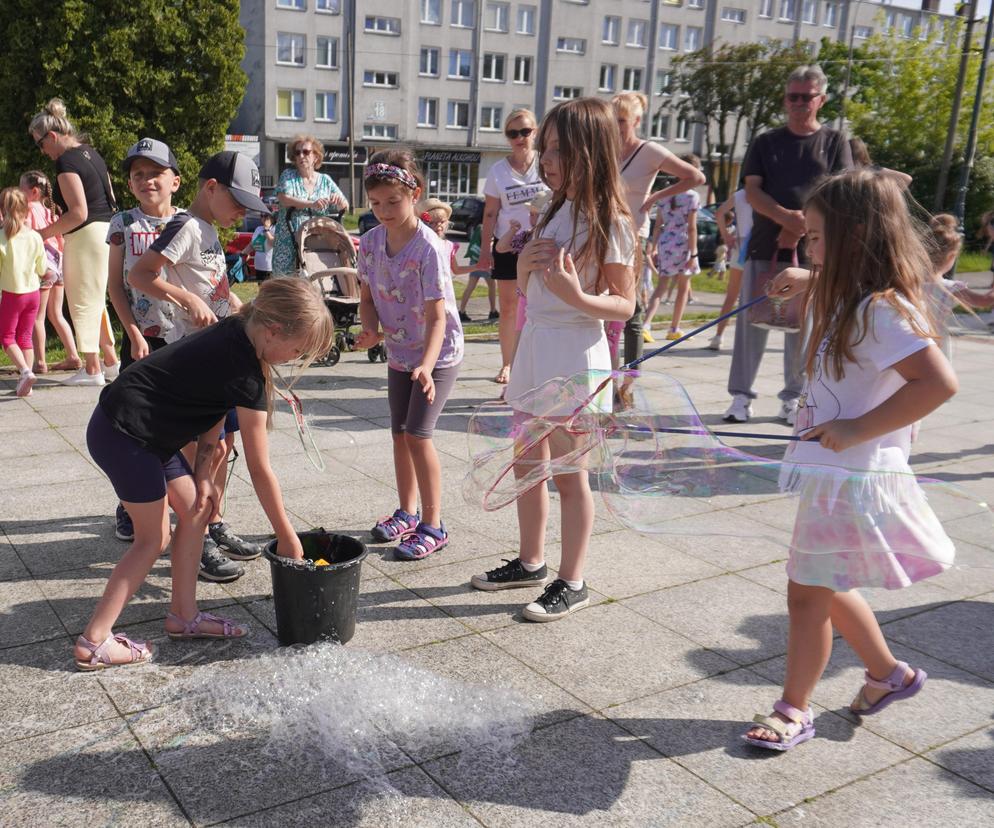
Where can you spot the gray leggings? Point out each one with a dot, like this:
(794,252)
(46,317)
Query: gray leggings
(409,409)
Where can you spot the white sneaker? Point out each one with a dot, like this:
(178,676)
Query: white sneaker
(715,343)
(788,411)
(24,384)
(740,410)
(112,372)
(82,378)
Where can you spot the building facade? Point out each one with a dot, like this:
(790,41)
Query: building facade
(440,76)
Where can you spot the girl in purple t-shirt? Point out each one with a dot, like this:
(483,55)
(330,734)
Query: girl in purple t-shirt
(407,291)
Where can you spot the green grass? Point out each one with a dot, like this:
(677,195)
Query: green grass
(973,261)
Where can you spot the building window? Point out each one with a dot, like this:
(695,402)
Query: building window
(608,72)
(326,106)
(571,45)
(695,4)
(427,112)
(682,129)
(526,20)
(830,16)
(733,15)
(862,32)
(460,63)
(637,30)
(809,11)
(463,13)
(497,14)
(327,57)
(633,79)
(493,67)
(297,5)
(290,48)
(328,7)
(377,77)
(693,37)
(669,37)
(659,127)
(906,27)
(452,180)
(377,24)
(565,93)
(382,132)
(664,82)
(612,27)
(522,69)
(766,8)
(429,61)
(491,118)
(290,104)
(458,115)
(788,10)
(431,12)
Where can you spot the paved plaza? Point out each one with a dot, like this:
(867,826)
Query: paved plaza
(635,704)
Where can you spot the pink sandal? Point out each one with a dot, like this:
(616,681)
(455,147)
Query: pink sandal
(191,629)
(894,683)
(799,727)
(100,658)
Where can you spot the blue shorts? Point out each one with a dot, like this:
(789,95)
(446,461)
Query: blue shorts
(136,474)
(230,424)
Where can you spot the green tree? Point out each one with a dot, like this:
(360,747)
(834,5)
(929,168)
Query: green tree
(167,69)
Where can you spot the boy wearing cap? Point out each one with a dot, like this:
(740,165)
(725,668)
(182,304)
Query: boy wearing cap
(189,252)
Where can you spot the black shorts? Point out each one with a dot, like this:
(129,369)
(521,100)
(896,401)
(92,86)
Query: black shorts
(505,265)
(155,343)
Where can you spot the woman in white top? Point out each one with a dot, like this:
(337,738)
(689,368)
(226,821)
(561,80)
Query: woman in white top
(640,162)
(511,184)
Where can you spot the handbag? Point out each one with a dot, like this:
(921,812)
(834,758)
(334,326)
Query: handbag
(775,314)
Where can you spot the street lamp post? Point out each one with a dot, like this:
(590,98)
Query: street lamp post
(854,7)
(971,141)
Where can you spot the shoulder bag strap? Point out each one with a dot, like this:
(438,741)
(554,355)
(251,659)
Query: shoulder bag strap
(631,157)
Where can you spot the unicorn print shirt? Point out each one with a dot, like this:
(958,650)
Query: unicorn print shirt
(401,285)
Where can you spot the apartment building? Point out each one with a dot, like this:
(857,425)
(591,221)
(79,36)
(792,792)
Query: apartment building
(440,76)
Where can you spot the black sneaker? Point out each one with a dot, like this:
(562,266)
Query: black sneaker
(232,545)
(512,574)
(464,317)
(556,602)
(493,316)
(124,529)
(216,567)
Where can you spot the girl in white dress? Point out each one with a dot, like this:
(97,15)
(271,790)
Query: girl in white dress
(576,272)
(873,369)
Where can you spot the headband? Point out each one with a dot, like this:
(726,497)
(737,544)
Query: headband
(390,171)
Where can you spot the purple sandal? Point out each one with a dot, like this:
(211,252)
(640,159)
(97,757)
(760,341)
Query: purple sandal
(100,658)
(425,541)
(395,527)
(191,629)
(799,729)
(894,683)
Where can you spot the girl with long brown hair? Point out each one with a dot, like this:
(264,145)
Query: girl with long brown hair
(576,272)
(873,370)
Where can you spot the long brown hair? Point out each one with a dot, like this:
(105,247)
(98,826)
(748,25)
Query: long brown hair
(36,178)
(873,248)
(588,149)
(14,209)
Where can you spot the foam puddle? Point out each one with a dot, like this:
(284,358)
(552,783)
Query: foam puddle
(357,710)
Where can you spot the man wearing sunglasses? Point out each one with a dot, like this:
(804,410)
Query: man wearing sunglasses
(780,167)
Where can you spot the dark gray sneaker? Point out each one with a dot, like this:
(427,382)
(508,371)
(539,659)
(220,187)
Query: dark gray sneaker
(556,602)
(232,545)
(512,574)
(217,567)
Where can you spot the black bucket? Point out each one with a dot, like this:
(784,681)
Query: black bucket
(317,603)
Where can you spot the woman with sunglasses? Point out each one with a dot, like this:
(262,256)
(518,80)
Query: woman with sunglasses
(82,189)
(303,193)
(511,184)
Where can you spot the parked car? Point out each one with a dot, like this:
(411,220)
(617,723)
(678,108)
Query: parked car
(367,221)
(467,213)
(707,236)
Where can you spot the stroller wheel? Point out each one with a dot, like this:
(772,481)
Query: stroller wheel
(332,357)
(341,342)
(373,353)
(383,354)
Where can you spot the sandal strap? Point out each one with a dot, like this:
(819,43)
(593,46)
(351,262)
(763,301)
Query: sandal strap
(98,652)
(783,729)
(228,626)
(424,540)
(893,682)
(795,714)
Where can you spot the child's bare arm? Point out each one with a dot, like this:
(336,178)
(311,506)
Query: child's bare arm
(975,298)
(119,299)
(504,242)
(458,269)
(146,276)
(369,319)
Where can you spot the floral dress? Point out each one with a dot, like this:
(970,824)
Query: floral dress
(674,240)
(284,244)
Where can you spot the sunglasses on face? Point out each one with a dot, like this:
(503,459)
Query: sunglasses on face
(302,152)
(40,141)
(807,97)
(519,133)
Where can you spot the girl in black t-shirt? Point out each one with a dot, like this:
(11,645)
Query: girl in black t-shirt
(178,394)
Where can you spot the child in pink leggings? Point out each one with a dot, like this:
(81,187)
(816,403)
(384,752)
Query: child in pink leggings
(22,264)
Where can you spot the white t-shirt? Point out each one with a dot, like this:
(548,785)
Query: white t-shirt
(514,192)
(743,217)
(868,381)
(263,258)
(192,246)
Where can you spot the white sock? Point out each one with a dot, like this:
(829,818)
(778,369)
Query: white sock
(574,585)
(532,567)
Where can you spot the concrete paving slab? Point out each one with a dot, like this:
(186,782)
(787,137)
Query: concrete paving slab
(26,615)
(11,566)
(971,757)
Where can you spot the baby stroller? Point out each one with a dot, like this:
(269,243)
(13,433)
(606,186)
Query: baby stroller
(328,258)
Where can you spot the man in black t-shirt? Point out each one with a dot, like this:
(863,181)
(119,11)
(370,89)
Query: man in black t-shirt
(779,169)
